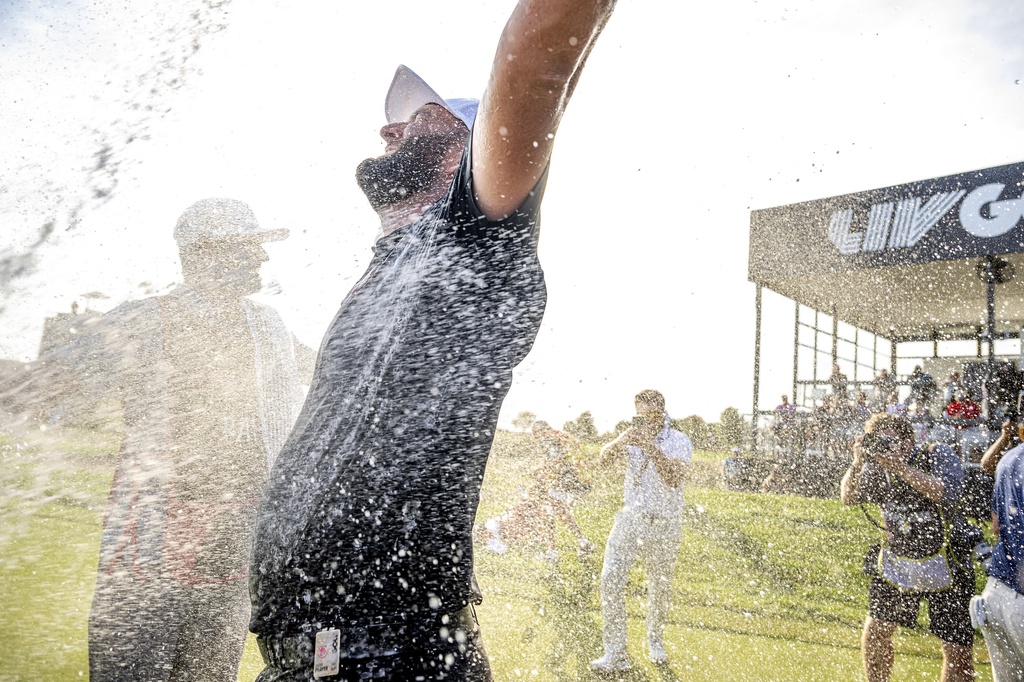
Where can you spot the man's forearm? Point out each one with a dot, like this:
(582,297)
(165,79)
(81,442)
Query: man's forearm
(672,471)
(537,63)
(926,484)
(613,450)
(848,493)
(990,460)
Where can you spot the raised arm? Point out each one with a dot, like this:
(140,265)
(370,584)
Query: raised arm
(672,471)
(848,491)
(615,450)
(995,452)
(540,56)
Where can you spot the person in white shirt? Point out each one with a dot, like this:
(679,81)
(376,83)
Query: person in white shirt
(649,526)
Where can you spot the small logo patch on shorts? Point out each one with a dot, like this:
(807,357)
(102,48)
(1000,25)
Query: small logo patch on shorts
(326,653)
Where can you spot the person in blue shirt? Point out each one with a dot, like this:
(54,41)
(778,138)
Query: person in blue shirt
(1000,608)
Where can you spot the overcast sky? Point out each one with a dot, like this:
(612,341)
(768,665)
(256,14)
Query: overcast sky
(118,115)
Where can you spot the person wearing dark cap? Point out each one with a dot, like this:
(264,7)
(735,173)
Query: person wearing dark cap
(363,559)
(208,384)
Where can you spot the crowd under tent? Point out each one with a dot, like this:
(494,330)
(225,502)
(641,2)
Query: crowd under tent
(920,273)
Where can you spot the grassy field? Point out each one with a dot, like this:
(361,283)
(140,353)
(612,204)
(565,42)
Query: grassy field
(768,587)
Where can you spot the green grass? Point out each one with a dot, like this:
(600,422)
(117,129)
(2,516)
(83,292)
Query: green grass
(768,587)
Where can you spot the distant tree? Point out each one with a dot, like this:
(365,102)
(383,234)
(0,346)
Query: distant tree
(697,429)
(732,427)
(714,436)
(583,427)
(524,420)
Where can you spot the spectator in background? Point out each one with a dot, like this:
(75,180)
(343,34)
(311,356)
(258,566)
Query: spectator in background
(921,419)
(922,388)
(861,409)
(885,385)
(785,417)
(839,383)
(736,471)
(786,426)
(1004,389)
(784,411)
(962,411)
(952,387)
(999,611)
(894,406)
(842,426)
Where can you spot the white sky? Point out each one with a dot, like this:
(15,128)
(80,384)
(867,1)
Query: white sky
(684,120)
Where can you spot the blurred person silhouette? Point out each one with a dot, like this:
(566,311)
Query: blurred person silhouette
(893,405)
(920,417)
(922,387)
(885,386)
(962,408)
(737,470)
(1004,389)
(363,557)
(648,527)
(860,411)
(951,387)
(839,383)
(554,486)
(785,422)
(208,383)
(999,610)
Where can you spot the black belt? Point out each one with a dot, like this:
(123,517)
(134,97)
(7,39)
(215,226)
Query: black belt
(290,652)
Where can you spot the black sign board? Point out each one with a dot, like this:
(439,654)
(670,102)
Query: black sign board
(942,219)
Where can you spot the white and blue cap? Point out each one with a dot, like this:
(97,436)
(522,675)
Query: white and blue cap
(409,92)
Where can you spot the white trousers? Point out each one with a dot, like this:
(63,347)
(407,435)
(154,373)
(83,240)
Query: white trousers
(638,536)
(1004,630)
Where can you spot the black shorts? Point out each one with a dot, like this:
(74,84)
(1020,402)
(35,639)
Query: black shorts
(428,656)
(949,616)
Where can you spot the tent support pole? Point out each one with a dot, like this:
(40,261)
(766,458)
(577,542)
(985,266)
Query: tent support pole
(796,345)
(757,370)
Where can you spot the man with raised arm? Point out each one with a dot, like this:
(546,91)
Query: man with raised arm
(363,562)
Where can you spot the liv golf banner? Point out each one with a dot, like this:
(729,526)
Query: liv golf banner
(951,218)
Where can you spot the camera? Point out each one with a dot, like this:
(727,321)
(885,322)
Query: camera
(873,444)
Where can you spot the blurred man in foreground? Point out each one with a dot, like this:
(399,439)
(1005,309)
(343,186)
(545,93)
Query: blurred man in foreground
(363,560)
(208,384)
(649,526)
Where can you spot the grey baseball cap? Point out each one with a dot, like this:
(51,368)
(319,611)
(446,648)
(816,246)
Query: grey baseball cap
(409,92)
(222,220)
